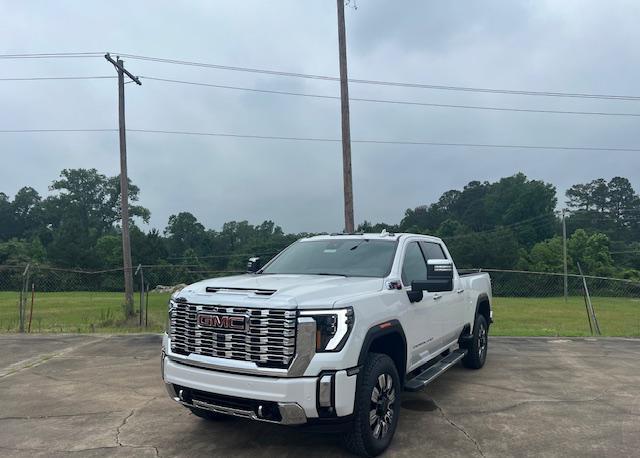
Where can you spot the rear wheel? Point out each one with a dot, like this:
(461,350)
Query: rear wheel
(477,350)
(377,407)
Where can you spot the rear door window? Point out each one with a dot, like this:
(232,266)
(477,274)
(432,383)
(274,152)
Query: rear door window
(432,250)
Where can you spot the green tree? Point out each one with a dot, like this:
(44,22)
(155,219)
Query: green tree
(83,208)
(612,208)
(547,256)
(184,232)
(527,204)
(592,252)
(21,252)
(7,226)
(27,212)
(497,250)
(623,203)
(109,251)
(148,248)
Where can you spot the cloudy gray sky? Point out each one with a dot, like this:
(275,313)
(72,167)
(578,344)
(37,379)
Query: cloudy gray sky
(569,45)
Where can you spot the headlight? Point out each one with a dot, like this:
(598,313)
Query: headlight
(332,327)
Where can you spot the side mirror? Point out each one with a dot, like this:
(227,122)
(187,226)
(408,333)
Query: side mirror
(254,265)
(439,275)
(439,278)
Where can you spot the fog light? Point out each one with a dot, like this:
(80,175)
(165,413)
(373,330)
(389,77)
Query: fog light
(325,388)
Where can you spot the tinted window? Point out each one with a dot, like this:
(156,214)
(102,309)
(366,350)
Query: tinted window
(432,250)
(413,266)
(350,257)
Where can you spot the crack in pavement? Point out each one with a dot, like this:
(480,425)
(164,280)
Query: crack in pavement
(126,420)
(540,401)
(461,429)
(121,425)
(70,415)
(80,450)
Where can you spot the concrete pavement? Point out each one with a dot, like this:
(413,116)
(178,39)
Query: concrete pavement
(64,395)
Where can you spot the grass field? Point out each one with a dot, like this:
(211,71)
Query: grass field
(514,316)
(80,311)
(551,316)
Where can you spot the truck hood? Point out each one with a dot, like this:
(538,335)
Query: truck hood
(279,291)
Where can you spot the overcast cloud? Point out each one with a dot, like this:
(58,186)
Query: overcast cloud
(572,46)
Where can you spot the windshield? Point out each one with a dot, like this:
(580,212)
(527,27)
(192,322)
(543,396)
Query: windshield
(346,257)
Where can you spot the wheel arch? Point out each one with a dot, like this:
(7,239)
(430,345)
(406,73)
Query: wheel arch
(483,307)
(387,338)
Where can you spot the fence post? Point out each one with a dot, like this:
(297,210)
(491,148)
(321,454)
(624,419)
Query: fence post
(564,256)
(141,270)
(20,327)
(591,314)
(33,294)
(146,308)
(23,296)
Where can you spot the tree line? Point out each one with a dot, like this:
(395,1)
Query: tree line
(512,223)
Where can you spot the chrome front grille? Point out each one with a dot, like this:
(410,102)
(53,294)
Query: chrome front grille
(269,339)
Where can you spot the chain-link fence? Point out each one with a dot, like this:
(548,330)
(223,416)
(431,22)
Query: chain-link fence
(45,299)
(535,303)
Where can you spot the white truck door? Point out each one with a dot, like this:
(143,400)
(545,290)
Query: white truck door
(451,308)
(423,322)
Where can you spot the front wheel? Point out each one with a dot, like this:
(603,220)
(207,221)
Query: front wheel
(477,351)
(377,406)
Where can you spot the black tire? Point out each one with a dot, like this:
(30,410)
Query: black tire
(208,415)
(477,354)
(375,421)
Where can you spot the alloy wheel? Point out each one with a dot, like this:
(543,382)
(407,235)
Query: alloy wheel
(381,411)
(482,341)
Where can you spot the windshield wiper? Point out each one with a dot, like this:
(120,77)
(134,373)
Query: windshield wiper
(360,243)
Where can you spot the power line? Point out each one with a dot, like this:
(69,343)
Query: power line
(54,78)
(383,83)
(325,77)
(396,102)
(38,131)
(331,97)
(53,55)
(334,140)
(389,142)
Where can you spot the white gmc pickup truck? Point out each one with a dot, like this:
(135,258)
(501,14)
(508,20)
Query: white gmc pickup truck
(328,333)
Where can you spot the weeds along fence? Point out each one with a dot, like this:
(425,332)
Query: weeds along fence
(47,299)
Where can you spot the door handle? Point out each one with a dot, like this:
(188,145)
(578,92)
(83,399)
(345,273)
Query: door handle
(460,291)
(436,297)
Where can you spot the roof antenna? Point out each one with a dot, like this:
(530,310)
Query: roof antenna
(383,233)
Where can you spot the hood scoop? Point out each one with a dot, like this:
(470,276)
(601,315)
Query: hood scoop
(256,291)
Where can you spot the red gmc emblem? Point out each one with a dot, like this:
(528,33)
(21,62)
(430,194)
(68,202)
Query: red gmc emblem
(233,322)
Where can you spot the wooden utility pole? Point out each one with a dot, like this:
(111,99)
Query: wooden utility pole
(124,185)
(564,256)
(346,128)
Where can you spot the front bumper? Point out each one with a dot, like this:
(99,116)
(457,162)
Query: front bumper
(284,400)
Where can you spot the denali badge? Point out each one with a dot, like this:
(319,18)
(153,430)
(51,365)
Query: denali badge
(234,322)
